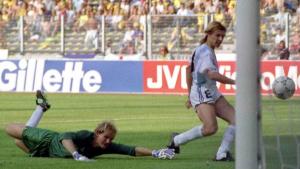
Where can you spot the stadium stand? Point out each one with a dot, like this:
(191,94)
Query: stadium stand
(177,24)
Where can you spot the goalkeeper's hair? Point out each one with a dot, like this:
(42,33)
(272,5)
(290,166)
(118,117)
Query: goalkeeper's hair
(212,27)
(106,125)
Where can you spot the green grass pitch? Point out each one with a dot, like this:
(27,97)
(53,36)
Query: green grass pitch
(142,120)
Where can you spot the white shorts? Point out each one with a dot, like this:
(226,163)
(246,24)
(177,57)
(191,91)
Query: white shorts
(203,94)
(91,37)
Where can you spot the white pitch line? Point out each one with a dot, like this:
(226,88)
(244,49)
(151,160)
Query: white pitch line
(116,119)
(121,119)
(133,118)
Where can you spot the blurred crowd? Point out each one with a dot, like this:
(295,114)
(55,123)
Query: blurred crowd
(118,12)
(42,18)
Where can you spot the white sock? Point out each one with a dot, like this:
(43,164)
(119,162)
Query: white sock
(35,117)
(189,135)
(227,140)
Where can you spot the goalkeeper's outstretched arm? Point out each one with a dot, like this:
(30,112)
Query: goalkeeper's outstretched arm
(141,151)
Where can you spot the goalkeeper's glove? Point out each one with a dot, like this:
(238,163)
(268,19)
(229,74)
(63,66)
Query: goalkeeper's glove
(79,157)
(163,153)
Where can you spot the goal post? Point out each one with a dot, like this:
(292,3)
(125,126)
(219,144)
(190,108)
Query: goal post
(247,83)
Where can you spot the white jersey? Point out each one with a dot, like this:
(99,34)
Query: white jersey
(204,89)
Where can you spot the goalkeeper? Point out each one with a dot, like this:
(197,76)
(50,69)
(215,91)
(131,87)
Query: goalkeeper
(81,145)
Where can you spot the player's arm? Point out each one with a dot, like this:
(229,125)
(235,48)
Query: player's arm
(139,151)
(70,146)
(67,140)
(189,80)
(219,77)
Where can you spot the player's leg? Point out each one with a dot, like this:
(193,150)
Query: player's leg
(15,131)
(206,113)
(35,117)
(21,145)
(226,112)
(42,106)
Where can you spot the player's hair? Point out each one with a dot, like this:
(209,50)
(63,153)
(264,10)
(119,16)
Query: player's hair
(213,26)
(106,125)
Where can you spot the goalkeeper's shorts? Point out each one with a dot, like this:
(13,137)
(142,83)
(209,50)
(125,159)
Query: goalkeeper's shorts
(38,140)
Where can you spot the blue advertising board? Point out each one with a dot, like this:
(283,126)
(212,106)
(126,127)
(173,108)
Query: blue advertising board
(71,76)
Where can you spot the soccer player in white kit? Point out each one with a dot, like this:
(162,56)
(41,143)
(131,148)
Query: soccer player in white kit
(204,96)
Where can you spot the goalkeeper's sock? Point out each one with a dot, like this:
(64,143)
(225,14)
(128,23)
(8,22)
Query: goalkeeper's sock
(35,117)
(227,140)
(189,135)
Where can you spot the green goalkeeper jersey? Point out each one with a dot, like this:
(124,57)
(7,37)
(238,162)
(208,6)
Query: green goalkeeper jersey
(42,142)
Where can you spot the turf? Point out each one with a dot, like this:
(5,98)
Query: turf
(142,120)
